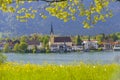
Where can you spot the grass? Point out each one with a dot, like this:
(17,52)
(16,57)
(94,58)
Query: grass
(14,71)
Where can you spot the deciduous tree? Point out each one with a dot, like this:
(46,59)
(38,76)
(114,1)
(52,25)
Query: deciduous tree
(6,48)
(92,10)
(23,47)
(16,48)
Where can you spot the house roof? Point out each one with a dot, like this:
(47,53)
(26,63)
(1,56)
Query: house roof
(91,41)
(62,39)
(112,43)
(33,42)
(117,42)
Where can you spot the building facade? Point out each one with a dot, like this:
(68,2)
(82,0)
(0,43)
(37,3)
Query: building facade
(59,43)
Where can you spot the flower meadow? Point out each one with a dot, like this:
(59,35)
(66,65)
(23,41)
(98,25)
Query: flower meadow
(17,71)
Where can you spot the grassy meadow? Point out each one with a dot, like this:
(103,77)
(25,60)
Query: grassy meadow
(14,71)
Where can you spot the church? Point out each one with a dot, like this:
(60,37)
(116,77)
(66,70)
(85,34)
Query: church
(59,43)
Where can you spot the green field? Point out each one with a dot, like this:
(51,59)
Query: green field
(14,71)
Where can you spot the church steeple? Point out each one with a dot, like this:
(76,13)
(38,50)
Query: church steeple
(51,32)
(51,36)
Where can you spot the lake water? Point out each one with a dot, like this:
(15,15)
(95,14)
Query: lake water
(66,58)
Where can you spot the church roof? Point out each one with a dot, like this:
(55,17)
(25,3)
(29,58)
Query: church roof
(62,39)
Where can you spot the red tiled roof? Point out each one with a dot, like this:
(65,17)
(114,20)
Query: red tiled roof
(112,43)
(62,39)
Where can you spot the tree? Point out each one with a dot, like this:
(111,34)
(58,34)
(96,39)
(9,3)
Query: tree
(34,50)
(99,38)
(23,39)
(96,10)
(2,58)
(78,40)
(114,37)
(6,48)
(16,48)
(45,41)
(23,47)
(118,35)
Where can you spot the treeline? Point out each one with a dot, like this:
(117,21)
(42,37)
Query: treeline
(100,37)
(21,44)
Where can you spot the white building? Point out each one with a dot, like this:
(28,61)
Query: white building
(77,48)
(59,43)
(117,46)
(90,44)
(34,43)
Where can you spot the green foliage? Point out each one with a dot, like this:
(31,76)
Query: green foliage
(114,37)
(118,35)
(23,38)
(35,49)
(100,49)
(16,48)
(99,38)
(97,10)
(45,41)
(2,58)
(78,40)
(6,48)
(23,47)
(48,51)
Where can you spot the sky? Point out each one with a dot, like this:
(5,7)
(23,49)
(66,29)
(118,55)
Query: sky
(9,24)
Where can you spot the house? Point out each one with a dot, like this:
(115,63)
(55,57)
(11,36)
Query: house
(61,40)
(77,47)
(90,44)
(59,43)
(116,46)
(3,42)
(54,48)
(34,43)
(9,42)
(107,44)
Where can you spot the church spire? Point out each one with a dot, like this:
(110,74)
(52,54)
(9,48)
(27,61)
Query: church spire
(51,32)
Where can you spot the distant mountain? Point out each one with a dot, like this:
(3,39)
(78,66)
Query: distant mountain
(10,26)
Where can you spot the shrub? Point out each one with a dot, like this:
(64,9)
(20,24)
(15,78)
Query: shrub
(2,58)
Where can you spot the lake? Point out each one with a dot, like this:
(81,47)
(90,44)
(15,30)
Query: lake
(66,58)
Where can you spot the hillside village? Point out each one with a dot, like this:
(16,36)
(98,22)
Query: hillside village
(37,43)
